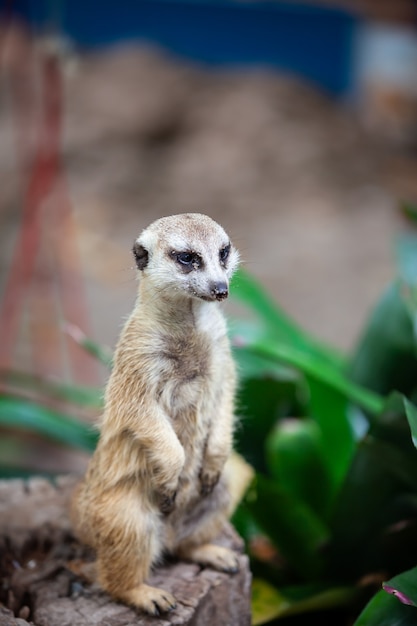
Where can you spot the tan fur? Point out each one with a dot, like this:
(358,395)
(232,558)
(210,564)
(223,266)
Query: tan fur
(157,481)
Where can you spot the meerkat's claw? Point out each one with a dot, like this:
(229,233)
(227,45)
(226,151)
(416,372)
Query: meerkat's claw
(217,557)
(150,599)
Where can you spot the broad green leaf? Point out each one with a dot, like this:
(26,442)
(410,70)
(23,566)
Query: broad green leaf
(411,413)
(261,401)
(383,474)
(294,455)
(329,408)
(404,587)
(18,413)
(85,396)
(406,254)
(368,488)
(385,610)
(9,472)
(395,425)
(293,528)
(309,601)
(318,370)
(385,359)
(269,603)
(250,365)
(318,596)
(279,326)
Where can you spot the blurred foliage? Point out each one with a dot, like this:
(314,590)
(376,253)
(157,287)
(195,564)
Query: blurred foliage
(332,511)
(330,518)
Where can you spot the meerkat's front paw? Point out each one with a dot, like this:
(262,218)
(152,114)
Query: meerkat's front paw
(217,557)
(208,480)
(150,599)
(166,501)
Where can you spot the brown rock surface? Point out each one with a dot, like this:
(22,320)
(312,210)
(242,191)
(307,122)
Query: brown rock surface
(38,555)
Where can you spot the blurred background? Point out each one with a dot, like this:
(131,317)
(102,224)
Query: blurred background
(294,124)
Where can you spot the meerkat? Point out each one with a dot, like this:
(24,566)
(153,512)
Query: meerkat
(157,483)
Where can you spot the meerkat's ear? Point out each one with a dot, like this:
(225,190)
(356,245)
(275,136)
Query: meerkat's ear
(141,255)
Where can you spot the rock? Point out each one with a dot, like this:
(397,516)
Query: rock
(38,561)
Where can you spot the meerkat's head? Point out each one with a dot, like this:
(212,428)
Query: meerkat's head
(187,255)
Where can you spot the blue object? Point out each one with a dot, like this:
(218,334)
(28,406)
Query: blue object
(314,42)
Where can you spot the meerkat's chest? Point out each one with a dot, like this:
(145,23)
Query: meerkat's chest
(184,369)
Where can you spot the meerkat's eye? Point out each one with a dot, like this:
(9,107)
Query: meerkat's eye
(224,254)
(185,258)
(189,260)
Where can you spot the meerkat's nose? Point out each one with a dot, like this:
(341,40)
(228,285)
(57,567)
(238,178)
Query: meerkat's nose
(219,290)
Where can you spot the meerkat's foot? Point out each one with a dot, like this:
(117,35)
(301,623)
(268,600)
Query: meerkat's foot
(150,599)
(217,557)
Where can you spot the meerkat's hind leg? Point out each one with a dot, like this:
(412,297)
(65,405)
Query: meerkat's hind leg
(205,522)
(211,555)
(128,546)
(122,578)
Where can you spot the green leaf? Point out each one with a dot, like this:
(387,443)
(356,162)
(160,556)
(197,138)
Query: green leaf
(278,325)
(10,472)
(294,529)
(250,365)
(269,603)
(385,610)
(385,358)
(329,408)
(75,394)
(406,255)
(411,413)
(395,425)
(261,402)
(368,488)
(318,370)
(294,455)
(383,474)
(18,413)
(404,587)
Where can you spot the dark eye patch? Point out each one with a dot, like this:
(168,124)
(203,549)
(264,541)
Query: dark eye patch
(187,259)
(224,253)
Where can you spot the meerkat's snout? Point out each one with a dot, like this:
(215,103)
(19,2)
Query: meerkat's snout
(220,291)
